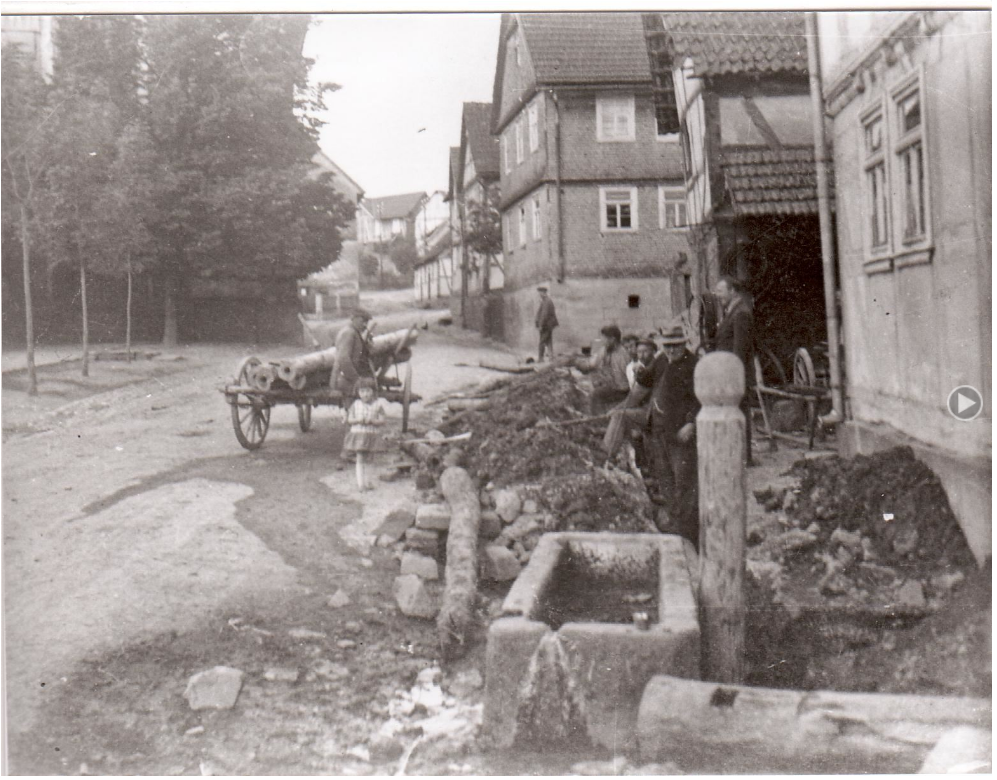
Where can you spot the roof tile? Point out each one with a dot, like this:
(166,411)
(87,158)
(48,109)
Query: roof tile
(484,145)
(771,181)
(732,42)
(586,48)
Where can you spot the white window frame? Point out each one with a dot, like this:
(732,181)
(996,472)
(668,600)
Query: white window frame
(664,190)
(605,193)
(522,225)
(520,153)
(869,162)
(537,232)
(533,114)
(900,143)
(604,103)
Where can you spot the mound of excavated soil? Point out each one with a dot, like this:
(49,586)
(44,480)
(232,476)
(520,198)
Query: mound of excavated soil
(514,444)
(864,581)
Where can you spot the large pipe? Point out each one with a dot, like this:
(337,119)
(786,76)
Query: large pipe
(826,230)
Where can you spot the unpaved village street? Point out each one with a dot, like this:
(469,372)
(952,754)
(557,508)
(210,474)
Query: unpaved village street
(142,544)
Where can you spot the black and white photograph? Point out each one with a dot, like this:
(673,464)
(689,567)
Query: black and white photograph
(548,391)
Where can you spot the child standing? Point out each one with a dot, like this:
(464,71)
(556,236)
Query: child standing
(364,416)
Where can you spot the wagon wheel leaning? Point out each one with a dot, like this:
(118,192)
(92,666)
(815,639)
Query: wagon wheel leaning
(804,375)
(304,417)
(250,415)
(406,396)
(771,367)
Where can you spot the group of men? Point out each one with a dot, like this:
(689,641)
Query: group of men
(650,392)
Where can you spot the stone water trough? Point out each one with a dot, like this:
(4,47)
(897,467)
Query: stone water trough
(589,621)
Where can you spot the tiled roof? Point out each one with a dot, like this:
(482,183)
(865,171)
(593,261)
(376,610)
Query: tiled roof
(729,42)
(394,206)
(586,48)
(771,181)
(484,146)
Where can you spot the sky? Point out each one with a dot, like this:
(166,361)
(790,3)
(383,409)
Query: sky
(404,78)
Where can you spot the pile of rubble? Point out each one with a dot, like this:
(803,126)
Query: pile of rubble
(874,532)
(853,561)
(519,438)
(509,530)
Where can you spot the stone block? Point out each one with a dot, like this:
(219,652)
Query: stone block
(508,504)
(413,598)
(499,564)
(490,525)
(338,599)
(432,517)
(523,526)
(530,507)
(424,541)
(395,525)
(421,566)
(215,689)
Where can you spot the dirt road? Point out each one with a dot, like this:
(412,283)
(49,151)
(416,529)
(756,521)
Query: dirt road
(142,545)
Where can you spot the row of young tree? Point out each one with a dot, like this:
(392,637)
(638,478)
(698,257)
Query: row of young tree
(172,146)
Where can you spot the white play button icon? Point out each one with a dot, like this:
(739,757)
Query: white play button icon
(965,403)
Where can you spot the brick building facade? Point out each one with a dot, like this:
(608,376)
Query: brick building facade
(592,202)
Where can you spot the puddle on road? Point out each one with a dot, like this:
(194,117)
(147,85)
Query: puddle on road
(297,507)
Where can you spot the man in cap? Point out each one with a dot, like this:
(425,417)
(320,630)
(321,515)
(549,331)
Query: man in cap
(546,321)
(674,407)
(352,354)
(610,366)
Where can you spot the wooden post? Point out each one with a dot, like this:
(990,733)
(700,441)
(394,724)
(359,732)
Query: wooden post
(719,384)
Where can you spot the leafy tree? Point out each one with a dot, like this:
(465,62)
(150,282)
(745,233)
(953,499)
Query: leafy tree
(95,93)
(22,120)
(233,120)
(483,235)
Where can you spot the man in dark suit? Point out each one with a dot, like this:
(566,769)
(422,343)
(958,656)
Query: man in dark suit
(674,407)
(736,334)
(352,354)
(546,321)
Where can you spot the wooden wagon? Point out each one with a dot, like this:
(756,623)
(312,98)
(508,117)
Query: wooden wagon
(258,387)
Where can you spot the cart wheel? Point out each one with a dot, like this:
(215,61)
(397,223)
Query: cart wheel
(771,367)
(803,369)
(250,416)
(805,376)
(406,396)
(305,417)
(251,420)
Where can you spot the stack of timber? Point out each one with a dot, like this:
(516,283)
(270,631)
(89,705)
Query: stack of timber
(313,370)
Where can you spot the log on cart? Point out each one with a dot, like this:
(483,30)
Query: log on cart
(303,381)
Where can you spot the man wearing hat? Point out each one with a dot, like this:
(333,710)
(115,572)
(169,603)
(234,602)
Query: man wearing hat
(546,321)
(674,407)
(352,354)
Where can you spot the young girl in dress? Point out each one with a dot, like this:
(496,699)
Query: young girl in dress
(364,416)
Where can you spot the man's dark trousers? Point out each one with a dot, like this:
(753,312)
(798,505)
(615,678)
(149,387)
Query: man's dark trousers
(546,343)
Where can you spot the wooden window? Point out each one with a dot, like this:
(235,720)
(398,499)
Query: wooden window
(877,196)
(533,114)
(618,209)
(505,152)
(911,185)
(522,225)
(672,208)
(614,118)
(520,154)
(536,218)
